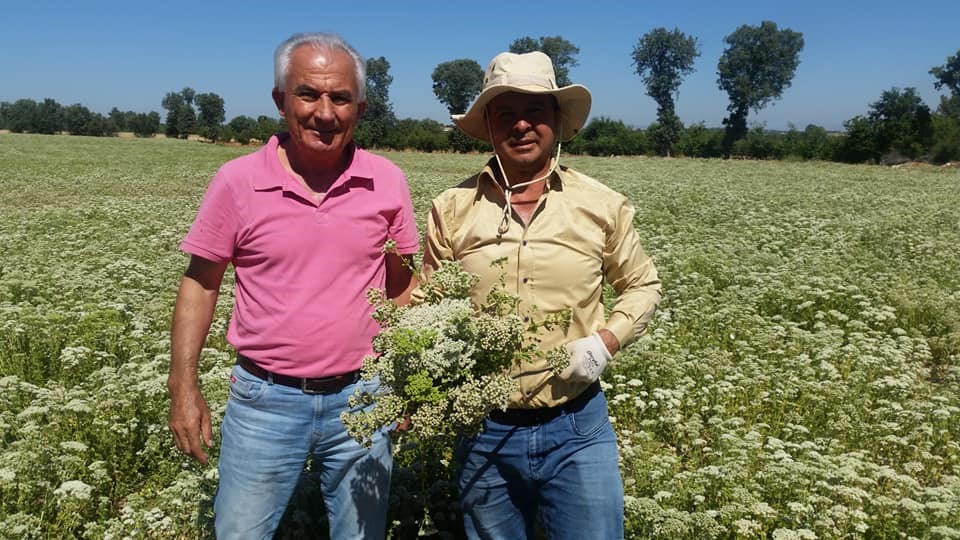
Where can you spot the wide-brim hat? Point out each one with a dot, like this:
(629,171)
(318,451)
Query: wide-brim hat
(529,73)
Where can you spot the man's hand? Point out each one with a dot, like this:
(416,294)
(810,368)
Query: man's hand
(190,423)
(588,358)
(417,296)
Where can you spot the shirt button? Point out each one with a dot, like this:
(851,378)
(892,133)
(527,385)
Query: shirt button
(525,279)
(526,319)
(524,242)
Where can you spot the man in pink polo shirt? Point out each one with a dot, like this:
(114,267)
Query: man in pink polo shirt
(303,221)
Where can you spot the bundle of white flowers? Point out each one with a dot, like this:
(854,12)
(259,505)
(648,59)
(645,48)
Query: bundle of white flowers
(443,362)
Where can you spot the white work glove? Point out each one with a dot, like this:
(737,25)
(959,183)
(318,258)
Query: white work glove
(588,357)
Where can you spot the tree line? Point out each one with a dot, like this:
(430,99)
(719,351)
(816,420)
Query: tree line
(756,67)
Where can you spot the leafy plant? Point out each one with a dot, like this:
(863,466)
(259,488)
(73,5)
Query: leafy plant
(443,360)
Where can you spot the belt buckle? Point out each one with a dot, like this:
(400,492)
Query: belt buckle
(307,390)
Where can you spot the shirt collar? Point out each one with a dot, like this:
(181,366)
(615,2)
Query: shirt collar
(360,166)
(487,177)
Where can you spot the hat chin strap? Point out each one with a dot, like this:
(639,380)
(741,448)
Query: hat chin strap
(510,188)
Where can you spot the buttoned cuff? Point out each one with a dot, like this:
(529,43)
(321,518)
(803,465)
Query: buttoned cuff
(621,328)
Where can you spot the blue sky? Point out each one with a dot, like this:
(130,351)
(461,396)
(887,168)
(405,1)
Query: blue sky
(129,54)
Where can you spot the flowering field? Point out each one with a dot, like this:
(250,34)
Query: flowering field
(801,380)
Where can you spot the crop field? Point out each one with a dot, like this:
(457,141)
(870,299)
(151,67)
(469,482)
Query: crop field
(801,379)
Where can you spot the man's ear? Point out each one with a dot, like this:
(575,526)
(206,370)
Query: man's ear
(278,100)
(361,107)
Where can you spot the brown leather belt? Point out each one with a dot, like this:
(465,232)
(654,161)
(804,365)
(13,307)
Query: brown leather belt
(321,385)
(536,417)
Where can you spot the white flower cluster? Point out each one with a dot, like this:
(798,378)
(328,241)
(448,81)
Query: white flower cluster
(443,361)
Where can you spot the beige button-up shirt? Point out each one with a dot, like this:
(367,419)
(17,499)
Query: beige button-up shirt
(580,235)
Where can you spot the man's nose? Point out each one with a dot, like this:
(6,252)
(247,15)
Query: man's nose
(324,108)
(522,125)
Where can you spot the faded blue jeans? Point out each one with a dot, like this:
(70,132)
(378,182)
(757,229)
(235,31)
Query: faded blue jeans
(268,431)
(564,471)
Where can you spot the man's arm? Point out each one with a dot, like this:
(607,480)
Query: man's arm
(400,278)
(631,273)
(196,300)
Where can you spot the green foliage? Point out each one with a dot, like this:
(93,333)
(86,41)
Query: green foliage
(759,145)
(665,133)
(801,378)
(444,361)
(210,115)
(700,141)
(860,143)
(378,119)
(561,52)
(948,75)
(145,125)
(946,138)
(902,122)
(49,117)
(19,116)
(456,83)
(897,127)
(755,68)
(606,137)
(662,58)
(423,135)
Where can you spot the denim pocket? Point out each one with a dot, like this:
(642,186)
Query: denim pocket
(591,418)
(244,386)
(365,391)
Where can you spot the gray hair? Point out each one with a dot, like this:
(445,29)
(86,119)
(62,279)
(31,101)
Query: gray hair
(318,40)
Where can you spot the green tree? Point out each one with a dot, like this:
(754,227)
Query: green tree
(423,135)
(379,118)
(144,125)
(210,115)
(181,118)
(242,129)
(267,126)
(21,115)
(948,75)
(607,137)
(756,67)
(49,117)
(700,141)
(903,123)
(78,120)
(456,83)
(662,58)
(561,52)
(946,139)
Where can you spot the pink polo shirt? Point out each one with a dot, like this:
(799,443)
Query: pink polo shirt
(303,268)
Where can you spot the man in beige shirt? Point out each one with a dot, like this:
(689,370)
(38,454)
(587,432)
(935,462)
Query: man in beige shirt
(553,453)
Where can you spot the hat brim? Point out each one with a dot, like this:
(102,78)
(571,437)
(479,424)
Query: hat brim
(573,100)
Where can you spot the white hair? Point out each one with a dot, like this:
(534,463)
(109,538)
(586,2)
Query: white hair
(318,40)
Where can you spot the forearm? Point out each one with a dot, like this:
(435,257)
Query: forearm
(192,317)
(401,280)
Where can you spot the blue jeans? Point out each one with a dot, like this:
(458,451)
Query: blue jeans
(268,431)
(565,471)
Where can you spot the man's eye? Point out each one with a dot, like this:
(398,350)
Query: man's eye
(340,100)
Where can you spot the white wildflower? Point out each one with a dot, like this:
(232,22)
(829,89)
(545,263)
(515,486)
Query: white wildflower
(74,489)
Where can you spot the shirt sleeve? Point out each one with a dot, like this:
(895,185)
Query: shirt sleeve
(403,229)
(631,273)
(436,243)
(214,231)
